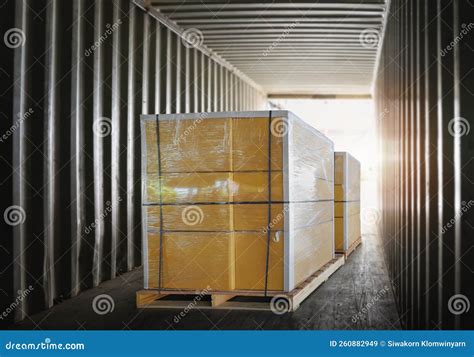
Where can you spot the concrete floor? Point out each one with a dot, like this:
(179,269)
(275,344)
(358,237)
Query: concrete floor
(357,296)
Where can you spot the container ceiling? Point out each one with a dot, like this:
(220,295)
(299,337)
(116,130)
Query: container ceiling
(300,47)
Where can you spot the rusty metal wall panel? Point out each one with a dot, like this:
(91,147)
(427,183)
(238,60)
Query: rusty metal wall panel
(72,163)
(6,147)
(424,92)
(203,88)
(187,81)
(78,180)
(158,65)
(132,148)
(177,82)
(221,91)
(51,160)
(26,197)
(98,154)
(231,92)
(210,73)
(168,68)
(464,153)
(215,86)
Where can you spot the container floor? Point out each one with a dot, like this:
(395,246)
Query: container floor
(356,297)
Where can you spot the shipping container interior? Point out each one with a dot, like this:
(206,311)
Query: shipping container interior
(389,81)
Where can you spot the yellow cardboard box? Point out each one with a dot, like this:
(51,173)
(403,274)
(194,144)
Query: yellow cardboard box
(208,206)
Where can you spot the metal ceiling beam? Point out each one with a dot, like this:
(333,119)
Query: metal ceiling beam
(329,70)
(278,36)
(231,53)
(313,69)
(294,47)
(376,20)
(267,13)
(292,5)
(143,4)
(301,42)
(311,80)
(282,25)
(318,96)
(287,40)
(291,56)
(350,47)
(307,74)
(304,59)
(379,48)
(302,88)
(277,76)
(246,2)
(277,32)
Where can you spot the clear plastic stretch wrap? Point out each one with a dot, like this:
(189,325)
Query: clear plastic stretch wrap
(347,201)
(235,201)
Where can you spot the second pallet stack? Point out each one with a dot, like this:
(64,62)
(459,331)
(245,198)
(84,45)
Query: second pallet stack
(346,202)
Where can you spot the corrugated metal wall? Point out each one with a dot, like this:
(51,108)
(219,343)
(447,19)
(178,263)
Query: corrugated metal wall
(76,75)
(425,103)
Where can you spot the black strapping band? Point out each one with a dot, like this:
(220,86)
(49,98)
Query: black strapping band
(269,198)
(160,263)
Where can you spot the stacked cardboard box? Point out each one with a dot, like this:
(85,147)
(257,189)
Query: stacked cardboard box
(209,184)
(346,201)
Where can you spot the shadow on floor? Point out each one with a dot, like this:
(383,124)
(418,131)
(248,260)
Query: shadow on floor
(358,296)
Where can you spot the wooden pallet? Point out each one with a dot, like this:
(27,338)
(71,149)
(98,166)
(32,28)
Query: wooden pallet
(238,299)
(351,248)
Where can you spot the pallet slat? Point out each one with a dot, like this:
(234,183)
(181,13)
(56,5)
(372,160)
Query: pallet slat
(219,300)
(353,247)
